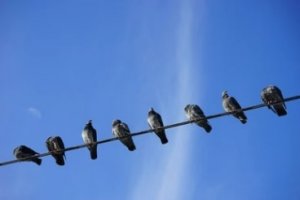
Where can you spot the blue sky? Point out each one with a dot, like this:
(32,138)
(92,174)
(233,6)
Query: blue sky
(63,63)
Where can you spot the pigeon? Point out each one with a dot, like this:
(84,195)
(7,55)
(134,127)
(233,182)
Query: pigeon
(56,147)
(89,135)
(21,152)
(194,112)
(230,104)
(121,130)
(155,122)
(271,95)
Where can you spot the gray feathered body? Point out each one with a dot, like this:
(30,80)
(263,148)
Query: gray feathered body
(121,131)
(230,104)
(23,151)
(194,112)
(56,146)
(155,122)
(89,136)
(272,94)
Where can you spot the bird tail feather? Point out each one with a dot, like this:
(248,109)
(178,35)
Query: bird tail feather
(205,125)
(244,121)
(242,117)
(93,153)
(131,147)
(280,110)
(38,161)
(207,128)
(164,139)
(60,160)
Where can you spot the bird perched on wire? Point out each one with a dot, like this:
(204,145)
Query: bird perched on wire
(155,122)
(230,104)
(55,146)
(273,97)
(89,136)
(121,131)
(21,152)
(194,112)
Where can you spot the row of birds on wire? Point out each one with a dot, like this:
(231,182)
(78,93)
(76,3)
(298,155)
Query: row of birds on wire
(270,95)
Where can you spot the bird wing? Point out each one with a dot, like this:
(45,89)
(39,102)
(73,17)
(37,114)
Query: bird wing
(233,104)
(94,134)
(28,151)
(124,128)
(280,95)
(197,110)
(60,143)
(159,119)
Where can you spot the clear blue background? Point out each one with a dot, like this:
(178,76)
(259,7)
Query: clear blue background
(65,62)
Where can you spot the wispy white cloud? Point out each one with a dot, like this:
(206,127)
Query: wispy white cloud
(173,182)
(34,112)
(169,176)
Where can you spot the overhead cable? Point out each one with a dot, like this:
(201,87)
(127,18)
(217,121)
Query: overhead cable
(293,98)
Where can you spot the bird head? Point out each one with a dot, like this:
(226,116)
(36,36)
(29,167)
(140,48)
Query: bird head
(116,122)
(186,108)
(16,150)
(48,139)
(224,94)
(151,111)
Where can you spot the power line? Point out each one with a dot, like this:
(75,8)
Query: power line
(293,98)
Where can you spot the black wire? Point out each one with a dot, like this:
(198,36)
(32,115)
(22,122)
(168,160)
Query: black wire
(148,131)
